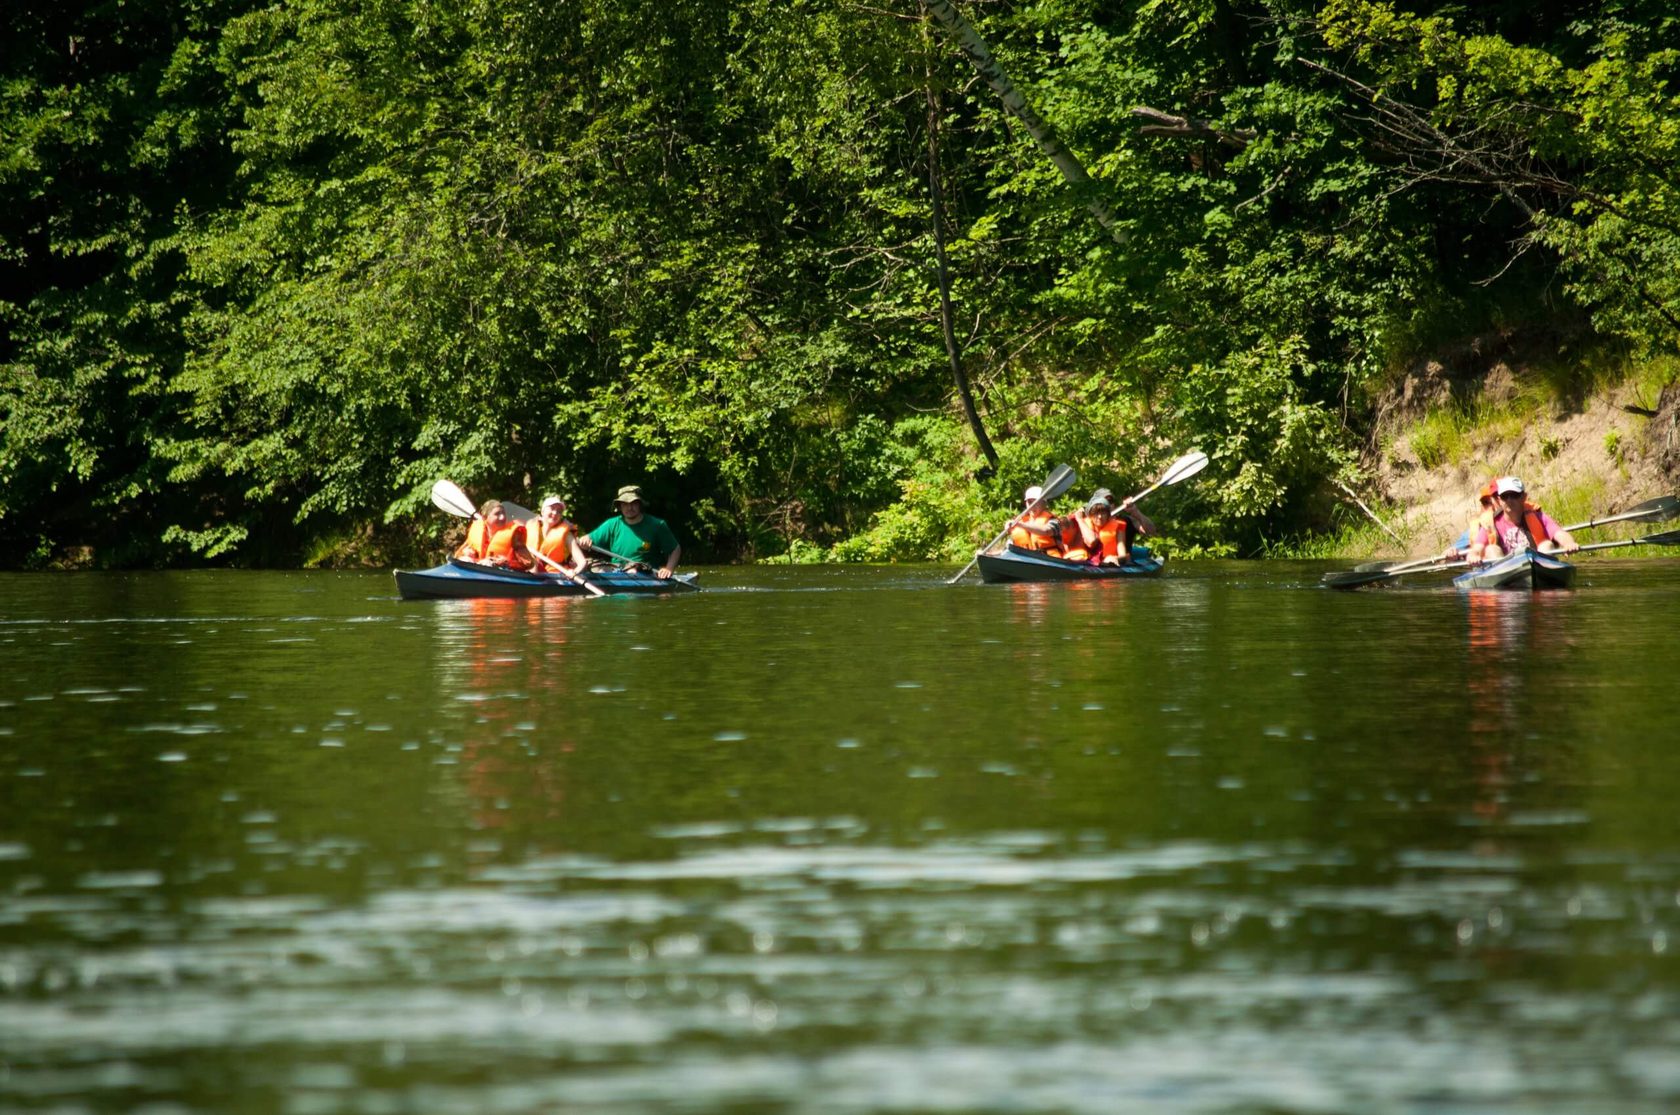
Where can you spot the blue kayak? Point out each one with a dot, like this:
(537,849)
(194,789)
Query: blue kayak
(460,579)
(1013,565)
(1528,569)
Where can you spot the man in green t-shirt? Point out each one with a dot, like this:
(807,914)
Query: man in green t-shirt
(633,536)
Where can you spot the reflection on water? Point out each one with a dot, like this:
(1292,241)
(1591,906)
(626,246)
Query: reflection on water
(839,840)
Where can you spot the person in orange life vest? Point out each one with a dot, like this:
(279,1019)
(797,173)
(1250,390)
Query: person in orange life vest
(495,539)
(554,536)
(1129,524)
(1518,525)
(1482,518)
(1035,528)
(1103,537)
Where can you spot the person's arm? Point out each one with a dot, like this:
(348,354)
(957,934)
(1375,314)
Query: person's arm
(601,532)
(521,552)
(1564,541)
(667,538)
(1479,544)
(1141,522)
(575,551)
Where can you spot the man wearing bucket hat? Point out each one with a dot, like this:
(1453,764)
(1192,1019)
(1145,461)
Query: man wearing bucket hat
(635,537)
(1518,525)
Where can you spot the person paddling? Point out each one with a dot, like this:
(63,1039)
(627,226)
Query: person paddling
(1036,529)
(634,535)
(1118,526)
(1518,525)
(552,535)
(1106,537)
(495,539)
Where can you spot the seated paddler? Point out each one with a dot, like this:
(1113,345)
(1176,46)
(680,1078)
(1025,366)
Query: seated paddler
(554,536)
(636,538)
(1518,524)
(1035,528)
(495,539)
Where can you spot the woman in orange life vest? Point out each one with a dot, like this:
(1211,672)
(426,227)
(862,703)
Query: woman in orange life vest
(1518,525)
(1106,536)
(554,537)
(1037,529)
(494,539)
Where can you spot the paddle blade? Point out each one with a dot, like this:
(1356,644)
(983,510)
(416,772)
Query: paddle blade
(1184,468)
(1658,510)
(517,513)
(1666,538)
(1061,478)
(448,496)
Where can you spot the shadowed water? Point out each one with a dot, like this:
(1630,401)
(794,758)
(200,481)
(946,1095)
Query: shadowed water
(840,840)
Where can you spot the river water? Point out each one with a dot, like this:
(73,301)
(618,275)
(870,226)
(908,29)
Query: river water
(840,840)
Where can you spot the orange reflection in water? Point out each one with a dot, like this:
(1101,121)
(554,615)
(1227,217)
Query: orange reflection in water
(511,655)
(1504,629)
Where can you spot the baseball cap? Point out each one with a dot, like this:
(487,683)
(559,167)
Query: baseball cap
(1509,485)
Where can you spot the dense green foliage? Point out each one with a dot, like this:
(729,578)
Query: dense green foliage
(269,270)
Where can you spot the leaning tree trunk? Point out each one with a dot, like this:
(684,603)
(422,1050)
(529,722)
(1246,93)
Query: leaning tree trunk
(946,322)
(980,56)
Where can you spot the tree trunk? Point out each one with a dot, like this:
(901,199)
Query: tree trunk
(946,322)
(974,48)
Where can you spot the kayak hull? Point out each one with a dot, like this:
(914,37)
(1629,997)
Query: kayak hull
(1014,565)
(466,580)
(1525,570)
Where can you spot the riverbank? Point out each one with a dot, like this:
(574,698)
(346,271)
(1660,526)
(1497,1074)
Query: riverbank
(1589,434)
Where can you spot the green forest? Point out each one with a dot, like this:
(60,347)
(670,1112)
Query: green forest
(830,279)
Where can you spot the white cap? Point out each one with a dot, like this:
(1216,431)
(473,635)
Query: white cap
(555,501)
(1032,493)
(1508,485)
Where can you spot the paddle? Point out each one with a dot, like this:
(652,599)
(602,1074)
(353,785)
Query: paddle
(1666,538)
(447,495)
(1059,480)
(1353,578)
(1182,469)
(1657,510)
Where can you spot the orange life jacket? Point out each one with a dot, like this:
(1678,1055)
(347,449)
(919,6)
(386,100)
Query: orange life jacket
(1027,540)
(1111,539)
(1074,546)
(499,550)
(555,544)
(1533,525)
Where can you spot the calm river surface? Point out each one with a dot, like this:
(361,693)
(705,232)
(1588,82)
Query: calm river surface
(840,840)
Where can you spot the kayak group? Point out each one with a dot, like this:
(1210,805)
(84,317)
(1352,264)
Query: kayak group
(631,536)
(1097,533)
(1510,539)
(1508,522)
